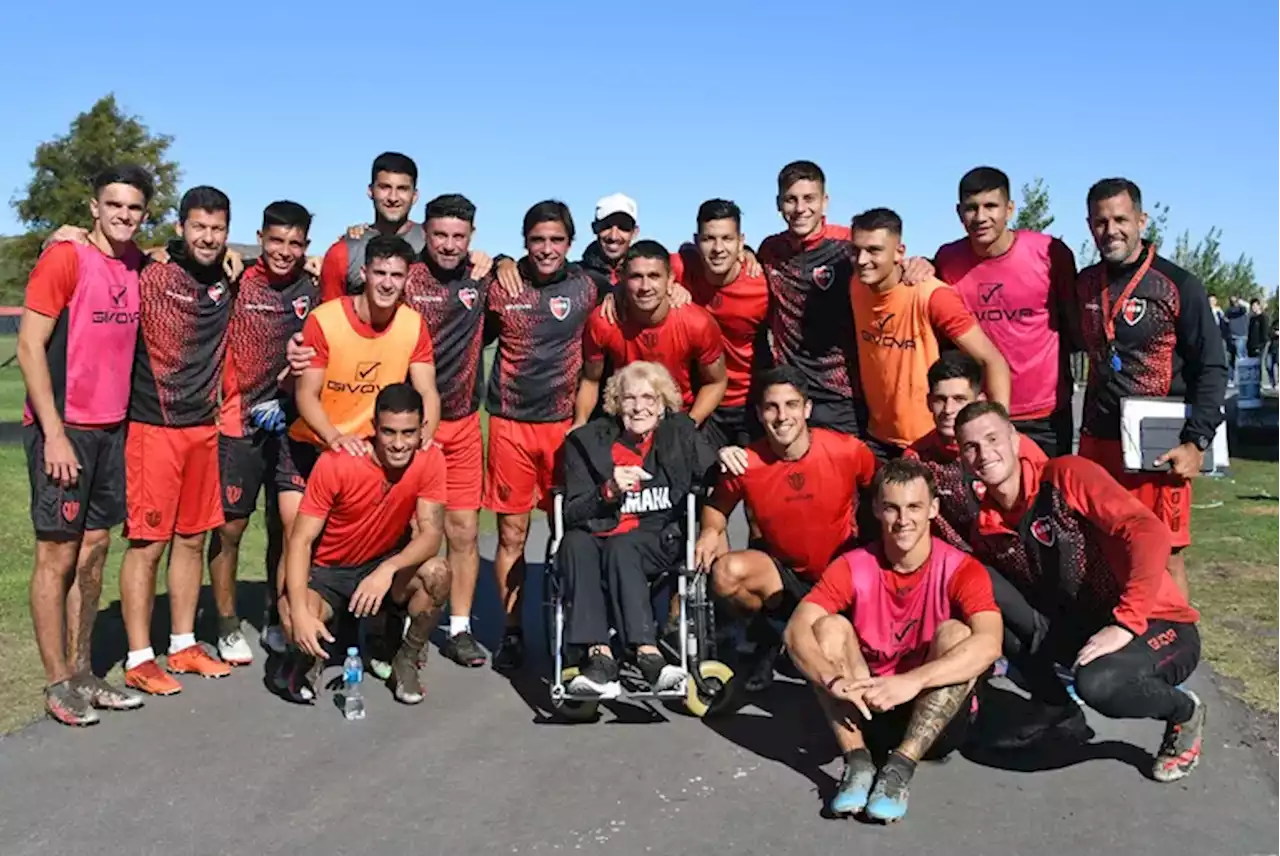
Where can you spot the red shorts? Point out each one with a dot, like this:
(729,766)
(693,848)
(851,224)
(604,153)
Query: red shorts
(524,464)
(1167,495)
(463,447)
(171,481)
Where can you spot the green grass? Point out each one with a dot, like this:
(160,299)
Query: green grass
(12,392)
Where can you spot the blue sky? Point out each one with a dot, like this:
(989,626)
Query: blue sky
(674,103)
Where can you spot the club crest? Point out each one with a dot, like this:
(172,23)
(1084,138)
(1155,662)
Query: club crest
(70,510)
(979,490)
(1134,310)
(301,306)
(649,339)
(468,296)
(1042,531)
(559,307)
(822,276)
(234,493)
(796,480)
(216,292)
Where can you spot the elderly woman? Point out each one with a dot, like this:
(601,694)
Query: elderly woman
(627,475)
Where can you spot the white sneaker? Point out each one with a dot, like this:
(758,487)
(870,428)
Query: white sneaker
(669,678)
(581,685)
(233,649)
(273,639)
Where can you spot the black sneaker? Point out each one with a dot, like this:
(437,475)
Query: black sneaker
(597,677)
(304,677)
(1180,750)
(464,650)
(510,654)
(650,665)
(1048,725)
(758,668)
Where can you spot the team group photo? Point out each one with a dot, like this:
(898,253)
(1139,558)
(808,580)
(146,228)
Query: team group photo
(394,528)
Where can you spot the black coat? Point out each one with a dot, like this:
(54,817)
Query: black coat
(680,458)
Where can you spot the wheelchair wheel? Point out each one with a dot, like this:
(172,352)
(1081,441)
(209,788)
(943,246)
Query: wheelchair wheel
(717,676)
(572,709)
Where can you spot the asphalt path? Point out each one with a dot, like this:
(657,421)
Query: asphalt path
(481,767)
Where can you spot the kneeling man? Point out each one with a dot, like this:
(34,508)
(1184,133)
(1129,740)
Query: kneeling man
(895,637)
(355,513)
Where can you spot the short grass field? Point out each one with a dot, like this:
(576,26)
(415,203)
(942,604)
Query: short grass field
(1232,565)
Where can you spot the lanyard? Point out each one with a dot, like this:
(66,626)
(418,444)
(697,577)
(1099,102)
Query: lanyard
(1109,310)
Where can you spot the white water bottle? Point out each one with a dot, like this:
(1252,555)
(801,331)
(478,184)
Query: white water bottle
(352,677)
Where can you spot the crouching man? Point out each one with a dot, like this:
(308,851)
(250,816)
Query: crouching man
(895,637)
(342,551)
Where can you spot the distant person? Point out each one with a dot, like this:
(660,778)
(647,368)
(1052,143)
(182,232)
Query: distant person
(1149,331)
(76,344)
(1273,349)
(900,331)
(1259,329)
(1080,574)
(347,550)
(1020,286)
(895,638)
(1237,316)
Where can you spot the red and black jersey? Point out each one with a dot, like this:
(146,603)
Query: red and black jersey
(740,309)
(959,493)
(182,336)
(810,312)
(453,304)
(1079,546)
(535,372)
(266,313)
(1166,339)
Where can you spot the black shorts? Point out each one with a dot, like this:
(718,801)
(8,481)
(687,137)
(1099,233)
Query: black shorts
(794,587)
(886,731)
(842,415)
(245,466)
(294,462)
(733,426)
(1053,434)
(337,585)
(96,501)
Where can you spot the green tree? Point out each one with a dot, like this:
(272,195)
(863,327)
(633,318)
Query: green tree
(62,182)
(1221,278)
(1033,214)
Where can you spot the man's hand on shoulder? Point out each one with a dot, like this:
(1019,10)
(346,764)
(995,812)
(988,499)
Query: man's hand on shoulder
(481,264)
(733,460)
(916,270)
(509,277)
(66,234)
(351,444)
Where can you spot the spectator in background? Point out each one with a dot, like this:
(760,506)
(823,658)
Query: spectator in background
(1237,333)
(1272,351)
(1259,329)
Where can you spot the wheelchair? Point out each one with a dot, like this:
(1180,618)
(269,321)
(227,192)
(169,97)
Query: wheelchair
(707,685)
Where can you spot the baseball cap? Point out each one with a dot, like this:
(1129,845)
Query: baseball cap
(616,203)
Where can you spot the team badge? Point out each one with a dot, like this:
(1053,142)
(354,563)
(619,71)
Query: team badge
(559,307)
(979,490)
(233,493)
(1134,309)
(822,276)
(796,480)
(70,510)
(1042,531)
(216,292)
(468,296)
(301,306)
(717,301)
(153,518)
(649,339)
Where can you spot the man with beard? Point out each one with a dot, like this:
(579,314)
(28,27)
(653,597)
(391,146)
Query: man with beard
(1080,575)
(445,289)
(1149,331)
(1019,285)
(393,187)
(800,485)
(719,279)
(531,395)
(76,345)
(171,453)
(685,340)
(274,298)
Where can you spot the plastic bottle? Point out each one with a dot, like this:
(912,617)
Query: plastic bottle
(352,677)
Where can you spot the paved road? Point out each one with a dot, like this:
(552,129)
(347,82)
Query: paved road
(226,767)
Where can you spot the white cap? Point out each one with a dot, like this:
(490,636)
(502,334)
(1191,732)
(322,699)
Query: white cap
(616,203)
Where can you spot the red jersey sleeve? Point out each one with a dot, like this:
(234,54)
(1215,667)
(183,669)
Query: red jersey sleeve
(423,350)
(863,462)
(313,337)
(727,494)
(707,338)
(1140,542)
(53,280)
(333,272)
(431,480)
(970,589)
(323,486)
(595,338)
(834,589)
(947,313)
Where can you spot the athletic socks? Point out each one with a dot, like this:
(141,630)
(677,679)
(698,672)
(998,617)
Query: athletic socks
(181,641)
(137,658)
(459,624)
